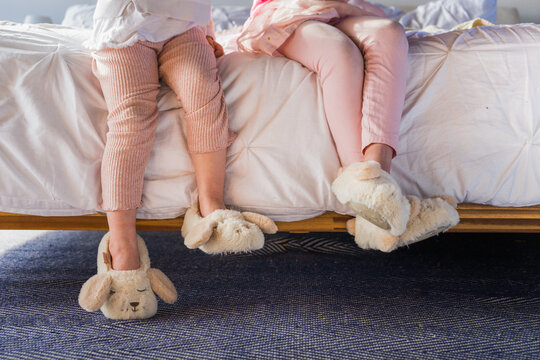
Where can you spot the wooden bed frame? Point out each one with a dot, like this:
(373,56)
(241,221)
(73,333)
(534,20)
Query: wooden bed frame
(474,218)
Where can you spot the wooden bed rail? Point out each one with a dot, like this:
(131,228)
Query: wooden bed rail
(474,218)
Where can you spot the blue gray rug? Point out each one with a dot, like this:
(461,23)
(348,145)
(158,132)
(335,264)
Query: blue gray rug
(313,296)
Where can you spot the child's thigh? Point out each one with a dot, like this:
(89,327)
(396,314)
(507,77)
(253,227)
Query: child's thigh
(315,45)
(127,75)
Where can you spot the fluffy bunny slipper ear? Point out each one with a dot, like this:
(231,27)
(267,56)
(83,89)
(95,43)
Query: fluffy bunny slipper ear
(95,291)
(263,222)
(162,285)
(435,215)
(371,237)
(195,229)
(200,234)
(415,207)
(373,195)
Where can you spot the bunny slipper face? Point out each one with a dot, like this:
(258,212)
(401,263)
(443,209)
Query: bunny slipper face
(126,294)
(225,231)
(240,235)
(130,296)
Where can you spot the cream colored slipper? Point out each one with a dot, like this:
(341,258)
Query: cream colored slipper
(225,231)
(371,237)
(429,217)
(382,211)
(125,294)
(373,195)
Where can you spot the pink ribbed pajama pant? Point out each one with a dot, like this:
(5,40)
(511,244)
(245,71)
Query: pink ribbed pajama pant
(129,79)
(362,67)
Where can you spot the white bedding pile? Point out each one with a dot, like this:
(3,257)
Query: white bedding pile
(444,14)
(471,127)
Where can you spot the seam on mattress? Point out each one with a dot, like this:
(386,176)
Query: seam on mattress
(9,199)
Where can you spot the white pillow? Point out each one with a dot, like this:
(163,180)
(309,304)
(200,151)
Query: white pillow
(446,14)
(391,12)
(228,17)
(79,16)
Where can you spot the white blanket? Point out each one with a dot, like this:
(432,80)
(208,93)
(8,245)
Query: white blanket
(471,127)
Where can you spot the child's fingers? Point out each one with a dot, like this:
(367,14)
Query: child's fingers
(218,49)
(211,41)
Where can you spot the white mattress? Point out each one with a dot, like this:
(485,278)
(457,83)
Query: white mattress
(471,127)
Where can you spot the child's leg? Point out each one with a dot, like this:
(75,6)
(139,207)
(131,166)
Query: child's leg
(370,193)
(363,111)
(188,66)
(385,49)
(339,64)
(130,83)
(122,240)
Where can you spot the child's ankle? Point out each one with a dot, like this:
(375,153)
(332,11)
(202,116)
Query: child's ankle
(207,206)
(124,252)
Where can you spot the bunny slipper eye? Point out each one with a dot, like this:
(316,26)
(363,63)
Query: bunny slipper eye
(112,292)
(141,290)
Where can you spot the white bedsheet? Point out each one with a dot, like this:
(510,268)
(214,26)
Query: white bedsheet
(471,127)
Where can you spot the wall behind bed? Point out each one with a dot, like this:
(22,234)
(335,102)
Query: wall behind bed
(16,10)
(529,10)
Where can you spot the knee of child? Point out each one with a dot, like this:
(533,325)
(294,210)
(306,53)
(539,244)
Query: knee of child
(198,87)
(344,52)
(334,44)
(391,32)
(135,116)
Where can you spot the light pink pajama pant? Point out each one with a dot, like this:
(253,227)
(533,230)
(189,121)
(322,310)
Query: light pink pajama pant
(362,64)
(129,79)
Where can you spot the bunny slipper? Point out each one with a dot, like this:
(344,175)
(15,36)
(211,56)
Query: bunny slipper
(125,294)
(377,200)
(225,231)
(428,217)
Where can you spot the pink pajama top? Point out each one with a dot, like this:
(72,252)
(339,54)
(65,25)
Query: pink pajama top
(271,22)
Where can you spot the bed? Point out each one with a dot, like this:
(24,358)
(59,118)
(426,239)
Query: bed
(470,128)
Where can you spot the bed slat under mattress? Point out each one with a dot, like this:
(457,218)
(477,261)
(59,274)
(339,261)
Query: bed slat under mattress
(474,218)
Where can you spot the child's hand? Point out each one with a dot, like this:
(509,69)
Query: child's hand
(218,49)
